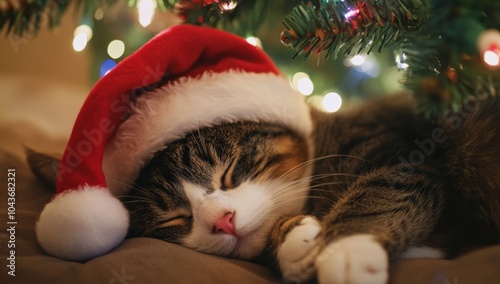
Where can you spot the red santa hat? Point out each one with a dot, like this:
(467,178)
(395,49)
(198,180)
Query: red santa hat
(185,78)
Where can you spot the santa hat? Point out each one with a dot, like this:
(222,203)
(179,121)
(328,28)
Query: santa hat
(185,78)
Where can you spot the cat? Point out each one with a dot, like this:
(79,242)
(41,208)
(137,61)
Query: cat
(384,183)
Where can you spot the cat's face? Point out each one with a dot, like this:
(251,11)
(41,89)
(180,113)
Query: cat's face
(220,190)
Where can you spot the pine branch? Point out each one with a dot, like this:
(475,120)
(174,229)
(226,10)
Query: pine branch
(436,42)
(444,67)
(351,26)
(238,16)
(22,17)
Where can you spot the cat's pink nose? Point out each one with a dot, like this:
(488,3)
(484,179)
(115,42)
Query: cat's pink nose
(225,224)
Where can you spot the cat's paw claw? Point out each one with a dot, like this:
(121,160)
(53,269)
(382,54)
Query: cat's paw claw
(355,259)
(298,252)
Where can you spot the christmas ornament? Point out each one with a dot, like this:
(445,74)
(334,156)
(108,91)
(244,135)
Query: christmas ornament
(157,95)
(452,75)
(433,89)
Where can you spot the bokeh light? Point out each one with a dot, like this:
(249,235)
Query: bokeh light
(116,48)
(106,66)
(80,42)
(332,102)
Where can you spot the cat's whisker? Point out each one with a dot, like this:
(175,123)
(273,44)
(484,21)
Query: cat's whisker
(310,161)
(307,179)
(125,198)
(284,202)
(127,183)
(319,176)
(291,192)
(138,201)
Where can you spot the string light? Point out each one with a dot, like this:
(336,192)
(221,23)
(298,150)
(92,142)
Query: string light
(85,30)
(228,5)
(116,48)
(370,67)
(99,14)
(302,83)
(146,11)
(351,14)
(296,77)
(357,60)
(255,41)
(491,58)
(305,86)
(81,36)
(488,44)
(332,102)
(106,66)
(401,62)
(79,42)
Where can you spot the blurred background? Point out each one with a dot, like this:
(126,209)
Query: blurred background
(83,48)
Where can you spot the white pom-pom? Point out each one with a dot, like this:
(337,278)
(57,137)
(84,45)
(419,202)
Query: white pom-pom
(82,224)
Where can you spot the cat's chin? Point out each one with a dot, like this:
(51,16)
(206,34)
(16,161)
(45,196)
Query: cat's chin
(251,244)
(248,247)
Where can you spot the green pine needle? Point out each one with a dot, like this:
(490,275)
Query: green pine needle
(342,28)
(443,69)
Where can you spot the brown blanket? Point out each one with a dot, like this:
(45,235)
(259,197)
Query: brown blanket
(42,120)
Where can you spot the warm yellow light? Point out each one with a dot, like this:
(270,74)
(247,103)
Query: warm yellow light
(491,58)
(80,42)
(255,41)
(99,14)
(83,29)
(296,77)
(228,5)
(305,86)
(116,48)
(332,102)
(146,11)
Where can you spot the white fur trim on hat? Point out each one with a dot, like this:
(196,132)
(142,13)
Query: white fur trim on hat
(82,224)
(172,111)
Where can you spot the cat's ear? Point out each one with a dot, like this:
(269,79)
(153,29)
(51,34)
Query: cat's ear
(44,167)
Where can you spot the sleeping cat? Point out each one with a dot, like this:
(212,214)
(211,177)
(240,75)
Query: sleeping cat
(384,183)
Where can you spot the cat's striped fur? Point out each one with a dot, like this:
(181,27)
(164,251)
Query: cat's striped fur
(241,168)
(381,176)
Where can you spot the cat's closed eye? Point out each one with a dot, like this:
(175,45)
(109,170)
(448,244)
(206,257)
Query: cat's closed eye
(225,180)
(178,218)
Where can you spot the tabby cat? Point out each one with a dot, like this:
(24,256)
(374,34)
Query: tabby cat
(384,183)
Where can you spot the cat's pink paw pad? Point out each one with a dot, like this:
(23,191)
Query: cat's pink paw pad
(297,253)
(355,259)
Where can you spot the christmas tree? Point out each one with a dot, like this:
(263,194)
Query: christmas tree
(448,51)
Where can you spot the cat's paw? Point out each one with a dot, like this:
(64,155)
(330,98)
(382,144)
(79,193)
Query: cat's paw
(298,252)
(355,259)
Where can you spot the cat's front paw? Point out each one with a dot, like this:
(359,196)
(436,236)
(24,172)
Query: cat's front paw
(355,259)
(298,252)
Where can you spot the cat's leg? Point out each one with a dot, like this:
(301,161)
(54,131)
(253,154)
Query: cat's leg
(296,246)
(381,215)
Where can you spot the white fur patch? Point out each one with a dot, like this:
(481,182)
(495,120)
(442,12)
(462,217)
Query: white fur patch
(170,112)
(298,252)
(82,224)
(354,259)
(422,252)
(256,208)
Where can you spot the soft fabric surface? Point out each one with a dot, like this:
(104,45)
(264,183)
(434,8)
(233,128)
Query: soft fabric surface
(41,118)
